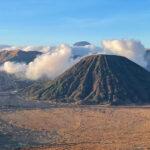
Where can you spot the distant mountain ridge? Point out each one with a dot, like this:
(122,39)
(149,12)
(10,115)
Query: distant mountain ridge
(98,79)
(82,43)
(9,82)
(18,56)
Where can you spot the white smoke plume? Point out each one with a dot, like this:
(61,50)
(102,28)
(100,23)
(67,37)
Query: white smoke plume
(131,49)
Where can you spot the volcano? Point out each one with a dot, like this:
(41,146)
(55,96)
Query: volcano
(98,79)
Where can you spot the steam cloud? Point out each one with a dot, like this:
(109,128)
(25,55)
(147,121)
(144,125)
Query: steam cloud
(56,60)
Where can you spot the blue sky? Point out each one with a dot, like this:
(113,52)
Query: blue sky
(46,22)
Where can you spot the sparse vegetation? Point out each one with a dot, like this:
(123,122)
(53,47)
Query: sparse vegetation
(79,128)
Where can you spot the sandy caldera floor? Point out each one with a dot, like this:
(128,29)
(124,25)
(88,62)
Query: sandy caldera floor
(86,128)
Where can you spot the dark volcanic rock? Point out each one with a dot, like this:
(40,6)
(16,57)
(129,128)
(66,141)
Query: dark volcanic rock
(99,79)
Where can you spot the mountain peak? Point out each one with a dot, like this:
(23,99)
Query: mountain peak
(18,56)
(82,43)
(99,79)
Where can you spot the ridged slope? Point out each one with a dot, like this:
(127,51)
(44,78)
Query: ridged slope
(11,83)
(99,79)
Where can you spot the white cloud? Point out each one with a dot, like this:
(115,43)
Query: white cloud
(43,49)
(51,64)
(131,49)
(14,68)
(48,65)
(7,47)
(56,60)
